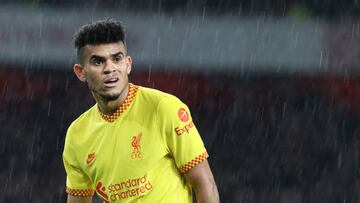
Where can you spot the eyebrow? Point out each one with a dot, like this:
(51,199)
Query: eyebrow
(117,54)
(97,57)
(102,57)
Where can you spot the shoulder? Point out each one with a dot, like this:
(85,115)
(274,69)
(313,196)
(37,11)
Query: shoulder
(80,123)
(153,94)
(78,138)
(161,100)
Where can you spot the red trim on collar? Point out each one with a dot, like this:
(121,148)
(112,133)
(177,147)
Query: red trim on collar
(128,100)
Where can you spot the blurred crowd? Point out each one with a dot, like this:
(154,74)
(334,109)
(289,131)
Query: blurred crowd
(312,8)
(271,139)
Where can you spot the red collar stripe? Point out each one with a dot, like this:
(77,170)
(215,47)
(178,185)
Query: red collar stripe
(128,100)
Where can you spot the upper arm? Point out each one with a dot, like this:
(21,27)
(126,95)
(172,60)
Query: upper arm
(180,134)
(73,199)
(187,148)
(202,180)
(200,175)
(78,183)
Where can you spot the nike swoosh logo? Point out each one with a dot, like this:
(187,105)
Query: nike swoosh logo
(90,158)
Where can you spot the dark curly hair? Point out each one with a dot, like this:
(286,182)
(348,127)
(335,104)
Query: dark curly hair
(98,32)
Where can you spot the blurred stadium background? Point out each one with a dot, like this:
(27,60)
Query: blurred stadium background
(273,86)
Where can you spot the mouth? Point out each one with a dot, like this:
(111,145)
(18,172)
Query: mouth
(110,82)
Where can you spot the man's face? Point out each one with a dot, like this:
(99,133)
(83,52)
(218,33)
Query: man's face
(105,68)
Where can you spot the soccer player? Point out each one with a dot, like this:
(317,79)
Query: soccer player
(135,144)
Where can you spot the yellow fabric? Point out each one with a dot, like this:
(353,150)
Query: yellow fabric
(138,156)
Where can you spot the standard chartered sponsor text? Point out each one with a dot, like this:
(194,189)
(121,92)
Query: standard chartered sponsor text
(129,188)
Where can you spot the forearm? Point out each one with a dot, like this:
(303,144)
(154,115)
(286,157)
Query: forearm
(72,199)
(207,194)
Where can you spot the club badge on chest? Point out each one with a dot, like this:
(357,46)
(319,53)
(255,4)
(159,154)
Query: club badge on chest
(136,144)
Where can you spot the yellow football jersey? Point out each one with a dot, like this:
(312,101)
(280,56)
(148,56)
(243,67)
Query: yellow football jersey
(138,154)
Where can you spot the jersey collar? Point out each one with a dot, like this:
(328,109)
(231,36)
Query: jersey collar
(127,102)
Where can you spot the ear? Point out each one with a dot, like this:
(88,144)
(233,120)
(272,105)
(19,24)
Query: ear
(128,64)
(79,72)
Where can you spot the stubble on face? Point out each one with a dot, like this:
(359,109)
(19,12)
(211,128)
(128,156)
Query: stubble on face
(120,71)
(108,97)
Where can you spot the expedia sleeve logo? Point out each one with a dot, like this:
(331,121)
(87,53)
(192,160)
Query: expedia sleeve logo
(184,116)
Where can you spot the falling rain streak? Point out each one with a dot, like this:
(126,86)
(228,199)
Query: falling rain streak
(273,87)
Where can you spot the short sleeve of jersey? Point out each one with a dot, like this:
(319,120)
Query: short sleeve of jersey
(77,182)
(180,134)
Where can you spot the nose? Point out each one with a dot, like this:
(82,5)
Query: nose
(109,67)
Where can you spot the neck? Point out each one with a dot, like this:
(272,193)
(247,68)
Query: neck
(109,107)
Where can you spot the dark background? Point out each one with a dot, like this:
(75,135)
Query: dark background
(272,137)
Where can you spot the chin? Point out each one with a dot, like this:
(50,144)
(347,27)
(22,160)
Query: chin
(110,97)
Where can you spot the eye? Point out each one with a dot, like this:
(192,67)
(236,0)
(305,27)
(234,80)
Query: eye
(97,61)
(118,58)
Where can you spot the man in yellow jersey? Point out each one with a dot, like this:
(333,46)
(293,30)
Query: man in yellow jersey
(135,144)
